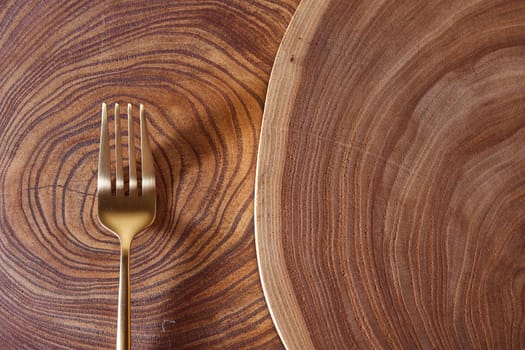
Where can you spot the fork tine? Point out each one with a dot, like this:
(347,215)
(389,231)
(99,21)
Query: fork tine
(119,172)
(148,170)
(104,169)
(132,158)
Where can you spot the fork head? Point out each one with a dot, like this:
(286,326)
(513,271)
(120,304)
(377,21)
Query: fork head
(125,214)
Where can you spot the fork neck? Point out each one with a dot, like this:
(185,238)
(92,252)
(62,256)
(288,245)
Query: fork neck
(125,245)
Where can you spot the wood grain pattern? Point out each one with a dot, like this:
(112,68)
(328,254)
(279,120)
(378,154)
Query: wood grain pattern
(201,69)
(390,190)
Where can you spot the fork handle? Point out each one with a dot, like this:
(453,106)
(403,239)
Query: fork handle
(123,322)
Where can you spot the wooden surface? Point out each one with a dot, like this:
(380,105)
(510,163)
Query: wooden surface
(201,69)
(390,190)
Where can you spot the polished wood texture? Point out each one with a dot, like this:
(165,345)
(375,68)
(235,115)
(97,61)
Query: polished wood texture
(390,190)
(201,69)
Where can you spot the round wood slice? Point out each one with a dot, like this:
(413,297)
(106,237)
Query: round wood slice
(201,69)
(390,190)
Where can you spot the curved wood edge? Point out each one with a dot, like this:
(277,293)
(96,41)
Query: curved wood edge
(287,67)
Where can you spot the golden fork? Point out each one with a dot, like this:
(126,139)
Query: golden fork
(125,214)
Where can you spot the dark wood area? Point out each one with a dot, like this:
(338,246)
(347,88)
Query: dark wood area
(390,202)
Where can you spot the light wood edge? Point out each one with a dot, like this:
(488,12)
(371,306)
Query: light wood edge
(288,65)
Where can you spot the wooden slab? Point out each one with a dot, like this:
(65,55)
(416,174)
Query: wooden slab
(201,69)
(390,190)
